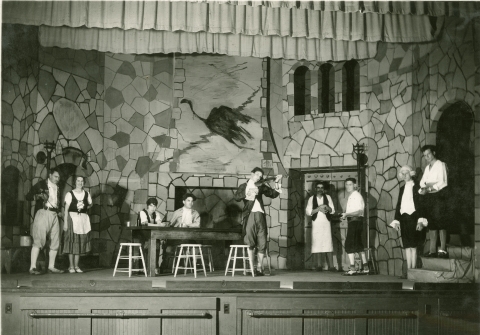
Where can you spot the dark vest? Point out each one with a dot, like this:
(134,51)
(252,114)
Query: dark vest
(73,204)
(148,217)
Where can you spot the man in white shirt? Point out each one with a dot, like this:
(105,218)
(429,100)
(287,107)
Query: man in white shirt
(253,213)
(433,184)
(354,214)
(45,224)
(186,216)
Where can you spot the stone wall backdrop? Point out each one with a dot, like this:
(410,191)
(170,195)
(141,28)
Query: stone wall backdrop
(448,74)
(402,93)
(124,114)
(19,129)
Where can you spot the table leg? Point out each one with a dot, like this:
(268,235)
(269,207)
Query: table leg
(152,254)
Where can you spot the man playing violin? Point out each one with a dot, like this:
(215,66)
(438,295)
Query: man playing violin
(253,214)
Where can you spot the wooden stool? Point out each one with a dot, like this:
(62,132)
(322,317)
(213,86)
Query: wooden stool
(233,252)
(190,253)
(208,249)
(130,257)
(174,257)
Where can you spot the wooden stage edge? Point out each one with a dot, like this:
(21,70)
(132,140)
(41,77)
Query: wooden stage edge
(281,281)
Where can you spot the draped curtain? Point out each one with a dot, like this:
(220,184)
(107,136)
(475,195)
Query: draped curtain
(311,30)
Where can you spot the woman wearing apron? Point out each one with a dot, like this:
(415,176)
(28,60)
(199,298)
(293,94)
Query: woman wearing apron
(76,237)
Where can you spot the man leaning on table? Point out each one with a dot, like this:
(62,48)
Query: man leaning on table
(186,216)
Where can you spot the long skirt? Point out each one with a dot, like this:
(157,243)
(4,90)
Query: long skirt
(77,244)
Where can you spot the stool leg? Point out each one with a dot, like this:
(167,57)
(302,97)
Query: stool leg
(186,261)
(194,262)
(228,260)
(178,261)
(245,262)
(234,262)
(118,258)
(210,259)
(143,261)
(175,258)
(129,261)
(203,263)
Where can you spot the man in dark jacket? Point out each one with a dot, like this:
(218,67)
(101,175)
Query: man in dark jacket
(47,206)
(253,214)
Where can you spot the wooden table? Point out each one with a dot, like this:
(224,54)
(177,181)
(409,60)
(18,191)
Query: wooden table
(152,234)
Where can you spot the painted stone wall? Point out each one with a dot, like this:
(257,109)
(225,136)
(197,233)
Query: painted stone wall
(139,137)
(448,73)
(125,113)
(20,69)
(399,107)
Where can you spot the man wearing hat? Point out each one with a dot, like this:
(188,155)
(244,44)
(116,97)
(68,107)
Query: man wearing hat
(253,214)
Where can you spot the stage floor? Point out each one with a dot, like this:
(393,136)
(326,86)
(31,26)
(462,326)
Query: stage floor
(102,280)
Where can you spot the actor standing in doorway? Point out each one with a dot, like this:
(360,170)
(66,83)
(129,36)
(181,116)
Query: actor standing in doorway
(47,196)
(253,214)
(319,207)
(433,183)
(354,214)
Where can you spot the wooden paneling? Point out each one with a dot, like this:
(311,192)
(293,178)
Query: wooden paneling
(269,326)
(328,327)
(454,322)
(189,326)
(60,326)
(392,326)
(110,326)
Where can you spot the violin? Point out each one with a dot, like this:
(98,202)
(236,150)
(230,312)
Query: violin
(264,180)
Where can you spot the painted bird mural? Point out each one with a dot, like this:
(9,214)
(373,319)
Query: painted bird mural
(223,121)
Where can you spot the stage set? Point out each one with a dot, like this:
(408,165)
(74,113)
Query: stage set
(180,102)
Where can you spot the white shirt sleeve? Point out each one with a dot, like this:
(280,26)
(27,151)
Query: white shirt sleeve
(330,203)
(309,208)
(143,217)
(89,198)
(158,217)
(68,197)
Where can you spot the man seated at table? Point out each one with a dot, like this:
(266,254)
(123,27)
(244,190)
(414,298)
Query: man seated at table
(186,216)
(150,215)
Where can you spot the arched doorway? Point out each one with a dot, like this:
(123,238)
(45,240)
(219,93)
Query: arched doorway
(454,147)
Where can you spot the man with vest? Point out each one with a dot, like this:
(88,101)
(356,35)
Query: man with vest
(150,215)
(47,207)
(253,215)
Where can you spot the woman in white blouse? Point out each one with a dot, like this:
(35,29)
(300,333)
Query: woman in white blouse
(408,216)
(433,183)
(76,237)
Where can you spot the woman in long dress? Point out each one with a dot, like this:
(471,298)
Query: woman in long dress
(76,237)
(319,206)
